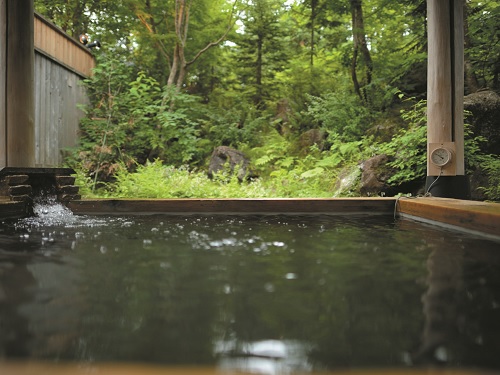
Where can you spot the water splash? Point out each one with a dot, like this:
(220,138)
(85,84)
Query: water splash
(48,212)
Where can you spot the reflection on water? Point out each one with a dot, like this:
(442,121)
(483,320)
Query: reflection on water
(265,294)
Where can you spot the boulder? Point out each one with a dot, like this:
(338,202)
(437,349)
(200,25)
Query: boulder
(374,175)
(312,137)
(485,119)
(225,159)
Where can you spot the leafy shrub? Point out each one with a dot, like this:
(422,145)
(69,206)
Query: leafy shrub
(491,165)
(127,124)
(408,148)
(340,113)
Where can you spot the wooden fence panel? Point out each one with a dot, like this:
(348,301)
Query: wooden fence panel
(58,93)
(60,65)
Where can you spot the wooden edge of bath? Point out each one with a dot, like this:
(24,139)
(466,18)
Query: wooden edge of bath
(42,368)
(12,209)
(232,206)
(481,217)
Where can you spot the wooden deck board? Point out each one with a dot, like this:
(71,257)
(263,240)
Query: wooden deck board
(472,215)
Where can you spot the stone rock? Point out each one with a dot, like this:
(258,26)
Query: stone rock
(485,120)
(227,159)
(312,137)
(374,175)
(347,182)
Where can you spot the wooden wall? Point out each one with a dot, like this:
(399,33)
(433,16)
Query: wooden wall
(58,93)
(3,82)
(60,64)
(62,49)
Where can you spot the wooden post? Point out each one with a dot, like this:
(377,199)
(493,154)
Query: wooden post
(20,110)
(445,93)
(3,83)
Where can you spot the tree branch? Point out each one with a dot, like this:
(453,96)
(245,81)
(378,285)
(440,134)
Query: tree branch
(218,41)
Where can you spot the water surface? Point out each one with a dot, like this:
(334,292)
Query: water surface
(273,294)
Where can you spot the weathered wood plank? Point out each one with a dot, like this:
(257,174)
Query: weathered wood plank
(246,206)
(476,216)
(12,209)
(58,95)
(52,41)
(49,368)
(20,86)
(3,83)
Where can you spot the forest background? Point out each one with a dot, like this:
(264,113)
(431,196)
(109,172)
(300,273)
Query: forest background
(309,91)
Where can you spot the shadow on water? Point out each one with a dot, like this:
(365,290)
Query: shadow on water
(269,294)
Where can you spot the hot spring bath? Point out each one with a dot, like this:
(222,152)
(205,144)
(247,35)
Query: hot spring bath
(257,293)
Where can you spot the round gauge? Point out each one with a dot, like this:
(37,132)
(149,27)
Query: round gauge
(440,156)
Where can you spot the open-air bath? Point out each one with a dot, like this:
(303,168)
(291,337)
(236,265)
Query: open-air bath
(269,293)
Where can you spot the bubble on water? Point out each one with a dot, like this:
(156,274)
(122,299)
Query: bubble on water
(154,230)
(127,224)
(291,276)
(215,243)
(165,265)
(278,244)
(441,354)
(269,287)
(103,249)
(227,289)
(147,242)
(229,241)
(73,245)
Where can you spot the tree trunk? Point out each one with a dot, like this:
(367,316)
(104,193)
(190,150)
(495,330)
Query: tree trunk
(360,45)
(471,81)
(258,73)
(312,20)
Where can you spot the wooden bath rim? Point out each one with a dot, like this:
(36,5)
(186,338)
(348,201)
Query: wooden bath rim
(481,218)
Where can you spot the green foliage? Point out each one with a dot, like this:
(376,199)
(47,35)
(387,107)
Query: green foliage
(236,126)
(135,122)
(483,49)
(299,53)
(340,114)
(491,165)
(409,146)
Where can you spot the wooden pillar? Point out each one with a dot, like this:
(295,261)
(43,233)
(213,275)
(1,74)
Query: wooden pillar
(445,93)
(3,83)
(20,60)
